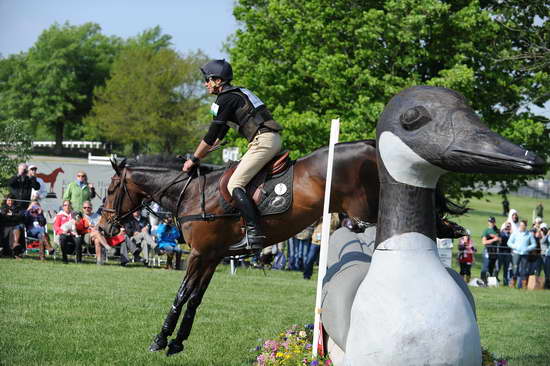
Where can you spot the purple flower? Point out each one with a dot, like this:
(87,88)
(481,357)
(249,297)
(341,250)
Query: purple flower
(309,326)
(308,346)
(258,348)
(314,363)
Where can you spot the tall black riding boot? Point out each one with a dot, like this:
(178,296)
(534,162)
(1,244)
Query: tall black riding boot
(251,218)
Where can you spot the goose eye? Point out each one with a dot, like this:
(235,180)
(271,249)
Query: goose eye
(415,117)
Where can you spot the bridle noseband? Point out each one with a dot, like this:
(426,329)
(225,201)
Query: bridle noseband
(116,217)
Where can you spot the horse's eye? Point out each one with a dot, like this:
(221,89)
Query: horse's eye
(415,117)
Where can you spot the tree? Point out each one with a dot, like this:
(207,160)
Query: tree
(154,100)
(15,148)
(53,82)
(322,59)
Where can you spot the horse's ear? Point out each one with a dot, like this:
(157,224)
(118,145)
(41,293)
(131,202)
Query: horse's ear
(122,164)
(114,165)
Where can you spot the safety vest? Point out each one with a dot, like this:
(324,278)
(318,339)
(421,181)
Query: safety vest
(252,116)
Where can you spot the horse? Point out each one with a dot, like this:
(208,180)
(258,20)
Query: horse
(50,178)
(355,189)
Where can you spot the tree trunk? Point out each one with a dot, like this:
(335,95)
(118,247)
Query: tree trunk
(136,148)
(59,129)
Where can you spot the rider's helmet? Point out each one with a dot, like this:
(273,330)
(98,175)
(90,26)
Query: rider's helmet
(219,69)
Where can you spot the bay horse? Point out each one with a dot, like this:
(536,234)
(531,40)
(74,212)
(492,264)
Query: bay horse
(355,190)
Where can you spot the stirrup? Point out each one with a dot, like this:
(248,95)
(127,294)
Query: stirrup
(254,247)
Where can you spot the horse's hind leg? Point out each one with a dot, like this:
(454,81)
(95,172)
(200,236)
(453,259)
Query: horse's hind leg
(187,286)
(176,345)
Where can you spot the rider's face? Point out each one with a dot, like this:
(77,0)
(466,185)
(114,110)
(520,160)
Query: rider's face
(213,85)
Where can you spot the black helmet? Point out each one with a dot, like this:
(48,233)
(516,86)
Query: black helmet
(219,69)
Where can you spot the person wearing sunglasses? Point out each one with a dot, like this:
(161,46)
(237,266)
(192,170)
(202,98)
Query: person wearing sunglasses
(79,190)
(241,109)
(92,237)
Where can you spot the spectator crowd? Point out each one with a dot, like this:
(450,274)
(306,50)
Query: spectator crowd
(514,253)
(75,230)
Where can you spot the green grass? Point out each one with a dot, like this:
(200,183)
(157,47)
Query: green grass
(55,314)
(85,314)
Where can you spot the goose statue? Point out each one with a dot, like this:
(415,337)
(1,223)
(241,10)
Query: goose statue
(349,256)
(408,310)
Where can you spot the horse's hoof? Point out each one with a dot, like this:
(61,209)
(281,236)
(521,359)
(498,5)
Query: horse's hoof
(174,347)
(159,343)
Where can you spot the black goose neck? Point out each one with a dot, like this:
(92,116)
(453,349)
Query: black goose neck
(404,208)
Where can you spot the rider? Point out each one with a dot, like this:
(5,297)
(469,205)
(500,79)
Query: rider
(241,109)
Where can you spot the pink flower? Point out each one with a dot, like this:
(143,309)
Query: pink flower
(271,345)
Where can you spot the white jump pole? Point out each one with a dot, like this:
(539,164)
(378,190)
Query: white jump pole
(334,132)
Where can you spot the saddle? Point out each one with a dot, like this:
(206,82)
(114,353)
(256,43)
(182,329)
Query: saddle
(277,165)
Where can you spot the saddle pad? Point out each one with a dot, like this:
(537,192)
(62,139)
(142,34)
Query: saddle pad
(276,194)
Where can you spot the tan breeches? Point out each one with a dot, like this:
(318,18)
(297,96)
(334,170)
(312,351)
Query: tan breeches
(261,150)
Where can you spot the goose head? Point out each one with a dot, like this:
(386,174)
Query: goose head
(426,131)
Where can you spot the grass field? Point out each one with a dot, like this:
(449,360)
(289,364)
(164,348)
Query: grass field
(55,314)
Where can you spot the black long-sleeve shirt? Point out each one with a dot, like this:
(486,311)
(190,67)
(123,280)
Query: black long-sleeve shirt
(21,187)
(224,110)
(133,226)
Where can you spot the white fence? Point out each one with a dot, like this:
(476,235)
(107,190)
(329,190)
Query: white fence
(100,160)
(71,144)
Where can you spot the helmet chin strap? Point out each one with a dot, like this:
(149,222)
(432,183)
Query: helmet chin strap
(219,88)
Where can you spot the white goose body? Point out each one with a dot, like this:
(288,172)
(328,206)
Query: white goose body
(409,311)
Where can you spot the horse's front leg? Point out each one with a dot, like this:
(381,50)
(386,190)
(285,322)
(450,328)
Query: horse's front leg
(176,345)
(187,286)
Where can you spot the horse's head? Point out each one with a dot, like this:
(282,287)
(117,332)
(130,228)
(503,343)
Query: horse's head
(122,199)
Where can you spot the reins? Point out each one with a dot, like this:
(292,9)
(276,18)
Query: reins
(117,218)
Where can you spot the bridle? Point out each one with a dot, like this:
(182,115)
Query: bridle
(117,217)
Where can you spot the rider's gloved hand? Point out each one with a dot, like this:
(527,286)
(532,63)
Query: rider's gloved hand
(189,163)
(187,166)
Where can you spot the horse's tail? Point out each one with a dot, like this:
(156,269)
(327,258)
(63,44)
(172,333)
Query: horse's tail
(445,206)
(445,227)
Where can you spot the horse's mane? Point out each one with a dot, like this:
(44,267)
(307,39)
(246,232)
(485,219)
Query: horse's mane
(155,162)
(165,163)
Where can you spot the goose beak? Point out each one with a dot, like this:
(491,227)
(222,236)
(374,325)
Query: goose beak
(476,149)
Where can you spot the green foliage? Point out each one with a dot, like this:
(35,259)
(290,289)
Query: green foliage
(52,83)
(151,38)
(15,147)
(322,59)
(154,100)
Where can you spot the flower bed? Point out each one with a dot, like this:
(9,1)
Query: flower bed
(293,348)
(290,348)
